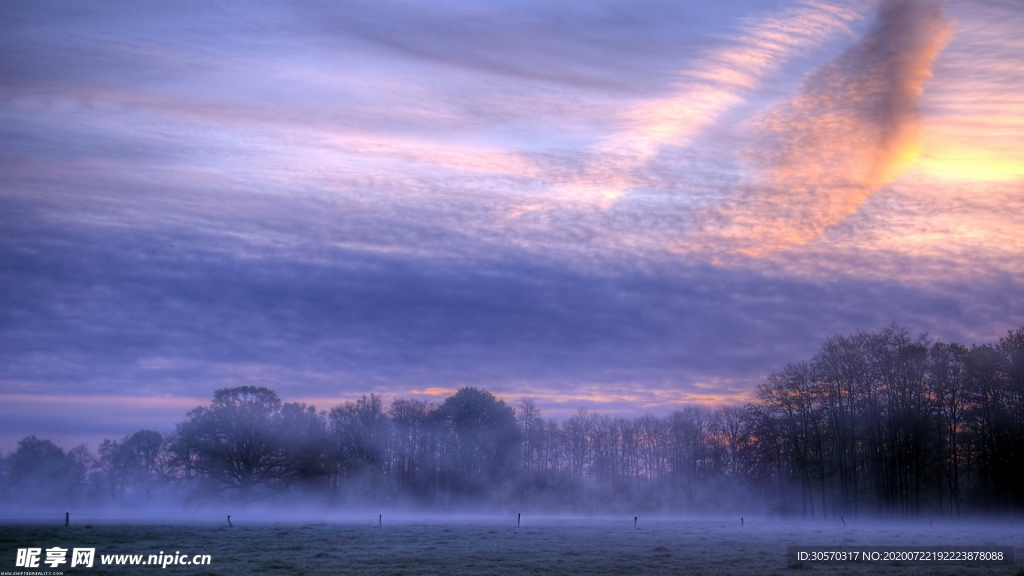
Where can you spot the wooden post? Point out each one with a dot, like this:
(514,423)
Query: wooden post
(380,520)
(634,521)
(741,521)
(67,518)
(519,520)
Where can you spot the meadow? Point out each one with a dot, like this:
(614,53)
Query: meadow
(496,545)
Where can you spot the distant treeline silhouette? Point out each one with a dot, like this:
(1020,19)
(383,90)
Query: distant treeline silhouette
(882,423)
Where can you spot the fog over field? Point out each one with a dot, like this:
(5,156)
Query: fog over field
(496,545)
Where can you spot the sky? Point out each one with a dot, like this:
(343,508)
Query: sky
(619,205)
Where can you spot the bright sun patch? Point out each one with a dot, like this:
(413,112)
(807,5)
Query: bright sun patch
(972,164)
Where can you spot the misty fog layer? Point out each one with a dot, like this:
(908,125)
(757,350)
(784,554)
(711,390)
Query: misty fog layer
(876,424)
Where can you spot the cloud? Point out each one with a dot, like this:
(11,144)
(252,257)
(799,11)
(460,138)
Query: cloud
(851,129)
(184,307)
(715,83)
(87,418)
(337,199)
(573,44)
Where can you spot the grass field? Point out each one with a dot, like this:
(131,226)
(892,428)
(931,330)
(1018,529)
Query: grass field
(257,545)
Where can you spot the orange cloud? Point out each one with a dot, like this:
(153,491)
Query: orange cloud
(851,129)
(625,398)
(434,392)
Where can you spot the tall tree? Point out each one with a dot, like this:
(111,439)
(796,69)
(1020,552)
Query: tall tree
(39,472)
(482,442)
(361,434)
(133,467)
(234,443)
(306,446)
(845,374)
(791,398)
(901,361)
(948,376)
(413,448)
(1011,348)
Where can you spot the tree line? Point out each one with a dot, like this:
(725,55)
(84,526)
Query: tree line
(884,423)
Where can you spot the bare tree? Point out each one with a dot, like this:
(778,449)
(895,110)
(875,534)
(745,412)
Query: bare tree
(790,396)
(901,461)
(414,454)
(948,376)
(845,374)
